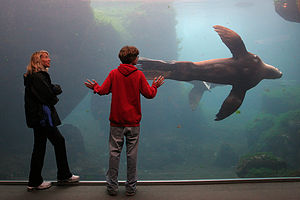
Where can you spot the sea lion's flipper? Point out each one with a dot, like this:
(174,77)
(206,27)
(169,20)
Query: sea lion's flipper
(232,40)
(231,103)
(196,93)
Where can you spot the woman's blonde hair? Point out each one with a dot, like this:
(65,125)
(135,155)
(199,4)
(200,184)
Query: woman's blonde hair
(44,51)
(35,64)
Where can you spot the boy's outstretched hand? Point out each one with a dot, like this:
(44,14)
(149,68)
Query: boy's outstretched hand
(90,84)
(158,81)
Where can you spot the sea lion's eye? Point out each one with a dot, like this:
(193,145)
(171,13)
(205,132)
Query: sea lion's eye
(256,58)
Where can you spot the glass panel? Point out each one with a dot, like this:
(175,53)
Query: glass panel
(179,137)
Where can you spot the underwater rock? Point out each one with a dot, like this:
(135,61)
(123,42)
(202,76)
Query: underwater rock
(226,156)
(260,165)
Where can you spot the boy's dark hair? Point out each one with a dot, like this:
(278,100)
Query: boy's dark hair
(128,54)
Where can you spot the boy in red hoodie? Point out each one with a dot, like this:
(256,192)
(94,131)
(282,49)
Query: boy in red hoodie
(126,83)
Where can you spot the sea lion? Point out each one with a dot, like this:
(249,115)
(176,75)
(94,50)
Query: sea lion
(243,71)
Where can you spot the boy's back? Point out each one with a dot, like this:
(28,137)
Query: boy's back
(126,83)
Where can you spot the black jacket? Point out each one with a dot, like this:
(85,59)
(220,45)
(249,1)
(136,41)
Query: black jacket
(39,91)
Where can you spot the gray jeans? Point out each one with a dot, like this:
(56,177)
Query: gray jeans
(116,141)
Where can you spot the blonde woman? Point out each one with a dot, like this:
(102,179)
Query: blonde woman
(41,115)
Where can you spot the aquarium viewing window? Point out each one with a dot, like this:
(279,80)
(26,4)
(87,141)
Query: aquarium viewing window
(179,139)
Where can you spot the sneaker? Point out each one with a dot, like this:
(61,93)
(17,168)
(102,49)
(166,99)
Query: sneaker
(72,179)
(112,192)
(45,185)
(130,193)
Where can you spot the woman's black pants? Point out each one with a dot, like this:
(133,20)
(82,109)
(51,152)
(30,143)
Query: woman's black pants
(41,134)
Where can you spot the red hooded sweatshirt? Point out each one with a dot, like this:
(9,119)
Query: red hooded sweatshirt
(126,83)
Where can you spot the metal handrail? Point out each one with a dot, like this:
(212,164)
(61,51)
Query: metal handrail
(173,182)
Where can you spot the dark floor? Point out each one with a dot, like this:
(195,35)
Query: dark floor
(231,191)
